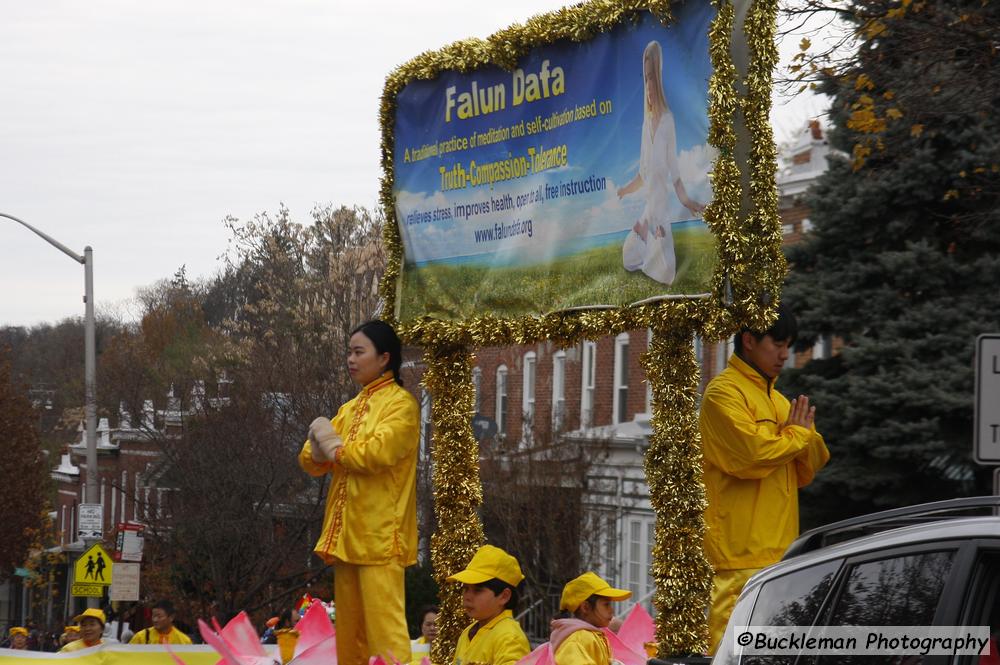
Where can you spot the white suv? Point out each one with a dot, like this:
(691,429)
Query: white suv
(936,564)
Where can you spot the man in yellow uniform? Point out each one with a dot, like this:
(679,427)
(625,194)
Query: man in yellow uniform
(162,630)
(759,449)
(91,624)
(489,596)
(579,640)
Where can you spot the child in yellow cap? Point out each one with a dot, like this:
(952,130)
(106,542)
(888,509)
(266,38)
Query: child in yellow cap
(18,638)
(577,638)
(489,597)
(69,634)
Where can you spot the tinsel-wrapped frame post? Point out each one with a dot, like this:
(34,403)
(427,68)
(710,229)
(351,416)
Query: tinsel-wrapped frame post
(458,491)
(682,574)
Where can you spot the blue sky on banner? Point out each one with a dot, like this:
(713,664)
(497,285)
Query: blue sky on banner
(609,67)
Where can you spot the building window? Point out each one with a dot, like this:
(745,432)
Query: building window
(558,390)
(639,550)
(477,384)
(725,349)
(425,424)
(790,360)
(822,348)
(649,386)
(609,555)
(501,401)
(123,489)
(588,384)
(528,392)
(620,405)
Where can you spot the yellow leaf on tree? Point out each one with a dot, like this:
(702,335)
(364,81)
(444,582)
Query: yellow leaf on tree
(951,194)
(873,29)
(916,130)
(888,95)
(894,113)
(805,44)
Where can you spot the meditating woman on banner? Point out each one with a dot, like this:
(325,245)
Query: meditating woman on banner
(649,246)
(370,526)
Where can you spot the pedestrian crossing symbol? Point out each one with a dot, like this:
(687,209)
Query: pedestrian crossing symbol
(93,567)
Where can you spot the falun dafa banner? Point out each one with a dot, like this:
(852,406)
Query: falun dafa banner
(578,179)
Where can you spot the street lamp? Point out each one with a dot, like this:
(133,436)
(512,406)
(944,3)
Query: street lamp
(90,362)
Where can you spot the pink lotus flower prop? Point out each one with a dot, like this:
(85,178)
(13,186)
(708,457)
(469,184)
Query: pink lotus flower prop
(628,645)
(238,643)
(317,638)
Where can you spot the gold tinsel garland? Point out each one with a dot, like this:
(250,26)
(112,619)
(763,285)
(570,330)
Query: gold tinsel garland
(750,263)
(682,574)
(457,488)
(765,264)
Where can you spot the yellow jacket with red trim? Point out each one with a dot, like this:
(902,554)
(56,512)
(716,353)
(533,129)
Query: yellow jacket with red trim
(500,641)
(371,506)
(753,467)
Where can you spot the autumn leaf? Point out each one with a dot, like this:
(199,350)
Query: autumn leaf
(874,28)
(916,130)
(863,82)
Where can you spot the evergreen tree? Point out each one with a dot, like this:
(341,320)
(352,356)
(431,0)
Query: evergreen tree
(903,264)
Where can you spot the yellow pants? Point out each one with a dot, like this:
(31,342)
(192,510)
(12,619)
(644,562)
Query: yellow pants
(726,587)
(371,613)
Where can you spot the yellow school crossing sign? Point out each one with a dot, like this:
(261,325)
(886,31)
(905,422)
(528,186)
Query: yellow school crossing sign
(92,572)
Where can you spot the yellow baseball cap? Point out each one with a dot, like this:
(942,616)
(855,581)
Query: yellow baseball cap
(490,562)
(92,612)
(583,587)
(18,630)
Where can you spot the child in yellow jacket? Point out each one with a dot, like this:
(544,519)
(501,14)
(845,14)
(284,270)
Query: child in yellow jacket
(489,596)
(578,639)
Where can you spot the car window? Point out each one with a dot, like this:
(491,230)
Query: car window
(794,599)
(897,591)
(983,603)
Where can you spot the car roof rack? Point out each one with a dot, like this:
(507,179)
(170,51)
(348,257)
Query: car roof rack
(862,525)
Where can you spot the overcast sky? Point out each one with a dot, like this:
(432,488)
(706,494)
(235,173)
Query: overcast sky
(136,127)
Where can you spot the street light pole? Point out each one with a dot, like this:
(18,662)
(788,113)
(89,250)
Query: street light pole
(90,356)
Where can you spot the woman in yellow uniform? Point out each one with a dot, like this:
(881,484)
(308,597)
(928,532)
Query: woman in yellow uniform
(577,639)
(91,624)
(370,525)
